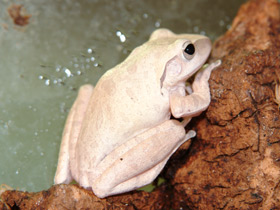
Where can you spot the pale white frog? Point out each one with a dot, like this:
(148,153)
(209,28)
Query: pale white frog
(119,134)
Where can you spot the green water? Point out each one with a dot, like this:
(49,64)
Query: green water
(67,44)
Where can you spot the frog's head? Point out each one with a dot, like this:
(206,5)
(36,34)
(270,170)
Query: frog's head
(185,55)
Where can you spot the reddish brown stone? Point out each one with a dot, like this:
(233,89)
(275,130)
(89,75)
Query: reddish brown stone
(235,161)
(60,197)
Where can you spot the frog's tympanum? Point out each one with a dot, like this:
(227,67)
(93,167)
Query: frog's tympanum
(120,134)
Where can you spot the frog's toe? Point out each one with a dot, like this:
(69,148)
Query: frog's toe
(190,135)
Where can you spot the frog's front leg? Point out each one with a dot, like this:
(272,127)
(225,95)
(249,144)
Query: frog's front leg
(139,160)
(70,135)
(198,101)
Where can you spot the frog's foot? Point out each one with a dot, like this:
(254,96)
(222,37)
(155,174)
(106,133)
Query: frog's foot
(201,79)
(140,159)
(190,135)
(198,101)
(70,135)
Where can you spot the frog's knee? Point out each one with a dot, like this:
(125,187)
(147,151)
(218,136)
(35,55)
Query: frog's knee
(62,176)
(101,190)
(175,129)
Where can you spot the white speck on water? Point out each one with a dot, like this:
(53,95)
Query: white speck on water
(47,82)
(58,68)
(121,36)
(89,50)
(157,23)
(68,72)
(118,33)
(145,15)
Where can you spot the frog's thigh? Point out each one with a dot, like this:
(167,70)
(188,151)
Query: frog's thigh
(144,160)
(70,134)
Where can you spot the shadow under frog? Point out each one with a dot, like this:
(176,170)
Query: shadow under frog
(119,135)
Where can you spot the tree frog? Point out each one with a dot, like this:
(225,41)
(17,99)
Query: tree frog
(119,134)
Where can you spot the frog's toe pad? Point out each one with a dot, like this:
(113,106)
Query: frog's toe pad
(190,134)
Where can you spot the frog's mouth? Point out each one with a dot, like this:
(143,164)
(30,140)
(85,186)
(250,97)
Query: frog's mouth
(176,72)
(194,72)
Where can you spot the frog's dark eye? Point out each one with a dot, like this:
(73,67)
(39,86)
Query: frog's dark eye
(189,51)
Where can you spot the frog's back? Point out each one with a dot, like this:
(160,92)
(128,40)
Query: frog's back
(123,104)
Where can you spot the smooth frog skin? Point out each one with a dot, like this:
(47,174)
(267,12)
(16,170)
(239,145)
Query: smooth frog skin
(119,135)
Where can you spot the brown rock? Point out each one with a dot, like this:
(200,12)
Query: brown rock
(60,197)
(234,163)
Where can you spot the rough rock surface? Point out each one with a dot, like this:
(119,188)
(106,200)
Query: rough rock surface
(234,163)
(73,197)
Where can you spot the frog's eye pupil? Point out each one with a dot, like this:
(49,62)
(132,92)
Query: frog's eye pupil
(190,49)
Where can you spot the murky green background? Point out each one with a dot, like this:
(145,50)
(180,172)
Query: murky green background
(66,44)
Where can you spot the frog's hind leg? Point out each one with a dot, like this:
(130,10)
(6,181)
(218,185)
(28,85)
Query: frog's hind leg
(140,160)
(70,136)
